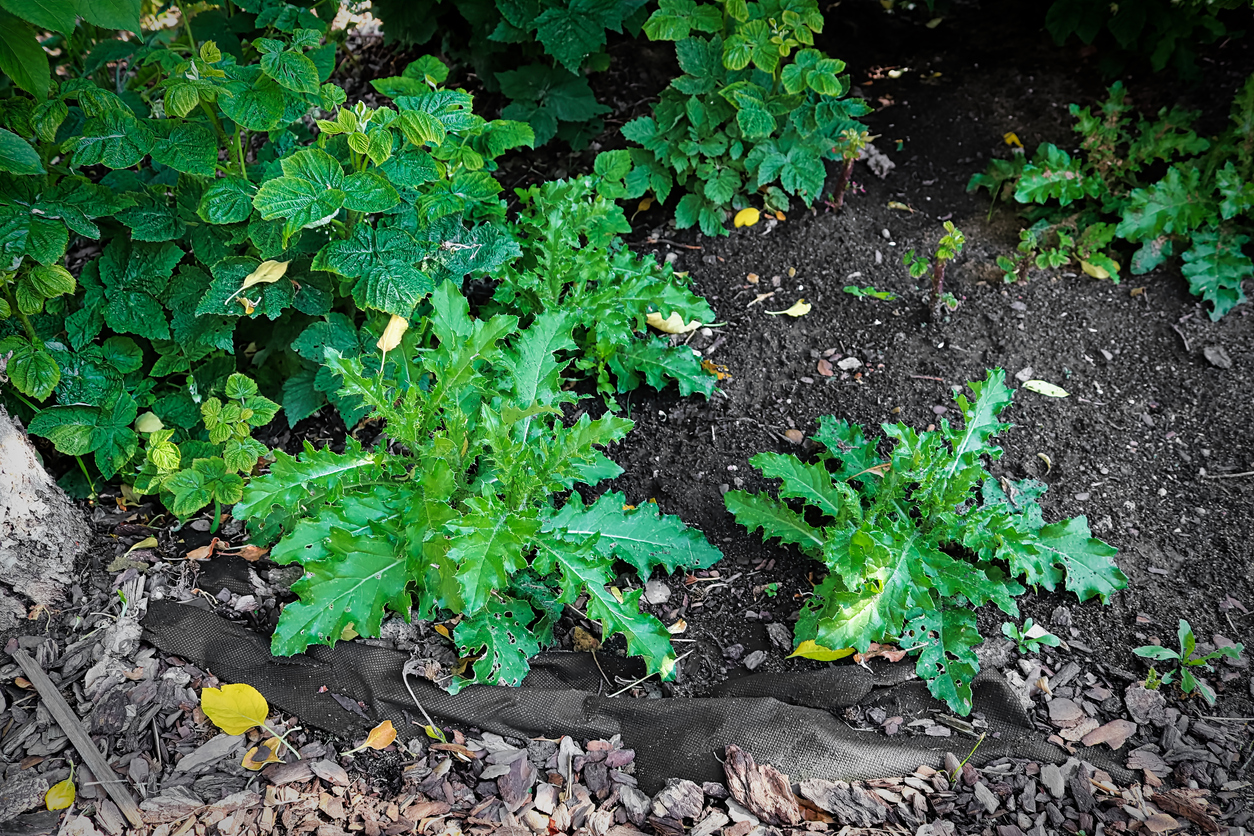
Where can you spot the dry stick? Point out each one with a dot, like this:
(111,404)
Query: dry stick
(631,685)
(73,728)
(1227,475)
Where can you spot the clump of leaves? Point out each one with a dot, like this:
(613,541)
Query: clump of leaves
(537,54)
(1189,681)
(947,249)
(1155,184)
(914,542)
(755,113)
(457,514)
(1030,637)
(574,262)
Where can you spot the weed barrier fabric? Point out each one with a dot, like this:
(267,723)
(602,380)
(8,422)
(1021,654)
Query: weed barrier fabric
(791,721)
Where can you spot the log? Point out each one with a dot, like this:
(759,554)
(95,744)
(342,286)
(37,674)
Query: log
(42,533)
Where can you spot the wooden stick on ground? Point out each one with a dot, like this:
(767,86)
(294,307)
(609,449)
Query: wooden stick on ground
(73,728)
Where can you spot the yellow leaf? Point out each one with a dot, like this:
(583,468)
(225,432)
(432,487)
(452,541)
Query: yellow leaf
(266,273)
(934,22)
(1095,271)
(1012,138)
(810,649)
(259,756)
(617,593)
(678,627)
(381,736)
(397,326)
(800,308)
(234,708)
(146,543)
(898,73)
(60,795)
(673,324)
(434,733)
(148,423)
(1042,387)
(443,631)
(645,204)
(747,217)
(898,205)
(779,216)
(348,633)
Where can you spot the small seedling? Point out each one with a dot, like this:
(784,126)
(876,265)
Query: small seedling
(1030,637)
(854,142)
(949,247)
(861,292)
(1188,644)
(771,589)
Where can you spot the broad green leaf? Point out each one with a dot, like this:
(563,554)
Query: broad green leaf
(22,59)
(309,194)
(291,69)
(33,371)
(228,200)
(487,545)
(112,14)
(656,361)
(1087,560)
(811,483)
(189,147)
(17,155)
(252,100)
(776,520)
(1173,205)
(1216,267)
(500,633)
(948,662)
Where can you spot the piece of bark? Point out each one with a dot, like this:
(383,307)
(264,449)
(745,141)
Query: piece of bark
(23,792)
(1184,803)
(850,805)
(679,799)
(763,790)
(42,533)
(69,723)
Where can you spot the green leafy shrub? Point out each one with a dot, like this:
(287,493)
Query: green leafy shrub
(574,262)
(914,542)
(757,110)
(535,53)
(1155,184)
(456,514)
(1167,33)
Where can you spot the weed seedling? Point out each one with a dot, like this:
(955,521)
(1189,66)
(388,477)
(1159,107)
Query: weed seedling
(1030,637)
(855,142)
(947,250)
(862,292)
(1188,645)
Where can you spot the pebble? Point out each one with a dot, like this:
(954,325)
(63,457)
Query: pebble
(1052,780)
(1216,356)
(754,659)
(939,410)
(986,797)
(656,592)
(1024,374)
(846,364)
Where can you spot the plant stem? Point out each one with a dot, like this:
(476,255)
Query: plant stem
(22,317)
(213,119)
(842,183)
(187,26)
(239,152)
(217,516)
(90,482)
(282,738)
(938,284)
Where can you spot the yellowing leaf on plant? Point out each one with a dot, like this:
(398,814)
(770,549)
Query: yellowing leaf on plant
(61,794)
(673,324)
(747,217)
(443,631)
(148,423)
(1095,271)
(710,367)
(645,204)
(396,328)
(1044,387)
(799,308)
(348,633)
(258,756)
(267,272)
(381,736)
(146,543)
(617,593)
(1011,138)
(234,708)
(810,649)
(434,733)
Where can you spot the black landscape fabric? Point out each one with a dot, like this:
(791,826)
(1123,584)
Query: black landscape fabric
(791,721)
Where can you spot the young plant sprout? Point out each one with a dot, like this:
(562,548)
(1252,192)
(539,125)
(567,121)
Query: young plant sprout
(947,250)
(855,142)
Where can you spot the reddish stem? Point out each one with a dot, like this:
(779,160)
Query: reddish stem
(938,284)
(842,183)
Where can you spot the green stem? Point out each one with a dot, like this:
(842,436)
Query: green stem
(217,516)
(83,467)
(32,407)
(239,151)
(282,738)
(187,25)
(213,119)
(25,320)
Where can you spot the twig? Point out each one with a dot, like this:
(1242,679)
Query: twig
(73,728)
(631,685)
(672,243)
(1227,475)
(1227,719)
(926,377)
(1176,328)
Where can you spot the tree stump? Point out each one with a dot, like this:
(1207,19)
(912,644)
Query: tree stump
(42,532)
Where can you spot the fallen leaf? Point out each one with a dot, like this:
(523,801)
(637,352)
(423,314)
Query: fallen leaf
(779,216)
(443,631)
(252,553)
(810,649)
(204,552)
(148,423)
(584,642)
(258,756)
(760,298)
(645,204)
(1095,271)
(1043,387)
(673,324)
(60,795)
(934,22)
(899,206)
(825,367)
(799,308)
(747,217)
(1136,291)
(887,651)
(381,736)
(1011,138)
(720,372)
(234,708)
(396,328)
(146,543)
(678,627)
(752,278)
(22,682)
(795,436)
(267,272)
(1114,734)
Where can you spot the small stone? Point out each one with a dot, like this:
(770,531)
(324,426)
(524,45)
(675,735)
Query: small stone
(1065,714)
(657,592)
(1216,356)
(1060,617)
(1024,374)
(1160,823)
(536,821)
(679,799)
(847,364)
(1052,780)
(754,659)
(986,797)
(1109,357)
(1114,734)
(780,636)
(939,410)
